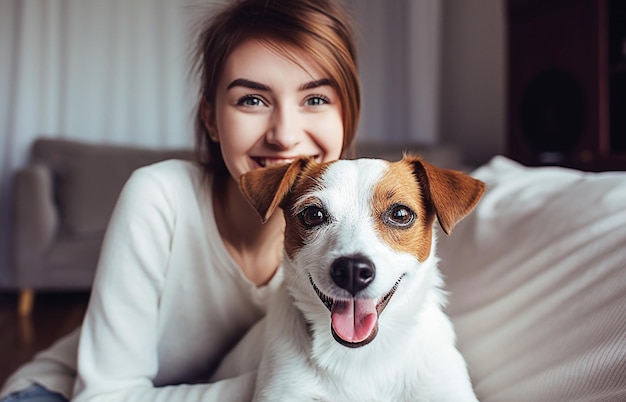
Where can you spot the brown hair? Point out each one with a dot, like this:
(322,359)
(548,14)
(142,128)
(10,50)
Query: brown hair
(319,27)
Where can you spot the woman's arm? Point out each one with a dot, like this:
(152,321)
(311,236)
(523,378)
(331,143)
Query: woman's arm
(118,351)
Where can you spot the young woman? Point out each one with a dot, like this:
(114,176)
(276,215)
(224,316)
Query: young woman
(186,267)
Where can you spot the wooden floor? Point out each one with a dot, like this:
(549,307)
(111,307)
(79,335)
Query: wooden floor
(54,315)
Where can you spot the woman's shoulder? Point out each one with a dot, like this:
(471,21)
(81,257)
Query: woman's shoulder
(171,175)
(171,168)
(170,184)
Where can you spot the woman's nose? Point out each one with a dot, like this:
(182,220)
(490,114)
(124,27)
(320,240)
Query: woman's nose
(285,130)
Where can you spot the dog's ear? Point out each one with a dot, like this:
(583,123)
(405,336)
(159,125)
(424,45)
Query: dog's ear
(452,194)
(266,188)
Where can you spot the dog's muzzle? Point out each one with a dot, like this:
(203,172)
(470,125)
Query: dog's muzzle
(354,321)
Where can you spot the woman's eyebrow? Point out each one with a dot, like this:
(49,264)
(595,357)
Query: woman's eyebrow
(242,82)
(315,84)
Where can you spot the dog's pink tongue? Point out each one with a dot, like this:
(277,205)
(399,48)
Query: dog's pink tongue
(354,320)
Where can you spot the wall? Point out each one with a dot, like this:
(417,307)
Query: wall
(473,102)
(400,68)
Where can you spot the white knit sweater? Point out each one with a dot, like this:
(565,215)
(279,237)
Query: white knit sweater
(168,301)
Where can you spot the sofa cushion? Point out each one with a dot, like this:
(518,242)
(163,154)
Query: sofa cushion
(89,177)
(538,281)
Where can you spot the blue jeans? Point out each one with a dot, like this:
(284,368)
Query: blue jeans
(34,393)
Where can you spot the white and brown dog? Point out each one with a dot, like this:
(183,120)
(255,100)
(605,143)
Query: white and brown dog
(360,315)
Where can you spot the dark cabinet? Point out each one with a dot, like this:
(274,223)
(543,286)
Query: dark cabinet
(567,83)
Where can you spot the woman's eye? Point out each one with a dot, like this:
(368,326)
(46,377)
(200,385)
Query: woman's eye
(251,101)
(399,216)
(317,100)
(313,216)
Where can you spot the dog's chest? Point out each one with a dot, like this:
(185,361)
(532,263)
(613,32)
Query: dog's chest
(360,387)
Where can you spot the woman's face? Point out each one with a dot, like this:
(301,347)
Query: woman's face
(269,109)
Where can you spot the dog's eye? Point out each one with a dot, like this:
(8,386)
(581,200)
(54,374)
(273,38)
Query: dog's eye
(400,216)
(313,216)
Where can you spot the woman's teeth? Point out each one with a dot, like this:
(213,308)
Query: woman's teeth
(264,162)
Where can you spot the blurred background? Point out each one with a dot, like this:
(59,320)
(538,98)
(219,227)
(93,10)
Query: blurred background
(542,81)
(117,71)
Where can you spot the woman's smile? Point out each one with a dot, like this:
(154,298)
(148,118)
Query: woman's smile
(273,107)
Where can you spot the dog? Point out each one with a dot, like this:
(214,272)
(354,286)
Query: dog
(359,317)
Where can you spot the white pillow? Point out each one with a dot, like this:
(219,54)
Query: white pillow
(537,275)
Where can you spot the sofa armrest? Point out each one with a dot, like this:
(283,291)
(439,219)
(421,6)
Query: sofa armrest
(35,217)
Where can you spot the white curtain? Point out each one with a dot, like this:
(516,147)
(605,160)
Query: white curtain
(400,63)
(96,70)
(117,71)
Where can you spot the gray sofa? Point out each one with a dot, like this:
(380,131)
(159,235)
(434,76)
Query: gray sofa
(62,201)
(63,198)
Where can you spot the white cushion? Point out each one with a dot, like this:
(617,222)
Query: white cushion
(538,280)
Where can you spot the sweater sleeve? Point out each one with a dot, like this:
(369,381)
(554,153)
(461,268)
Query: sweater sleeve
(118,349)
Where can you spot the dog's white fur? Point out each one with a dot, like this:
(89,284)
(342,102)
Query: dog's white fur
(413,356)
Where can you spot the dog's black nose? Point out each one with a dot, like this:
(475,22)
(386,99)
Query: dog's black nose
(352,273)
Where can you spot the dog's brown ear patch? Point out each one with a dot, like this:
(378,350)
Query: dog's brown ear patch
(266,188)
(452,194)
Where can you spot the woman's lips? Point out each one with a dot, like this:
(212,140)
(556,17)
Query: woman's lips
(267,161)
